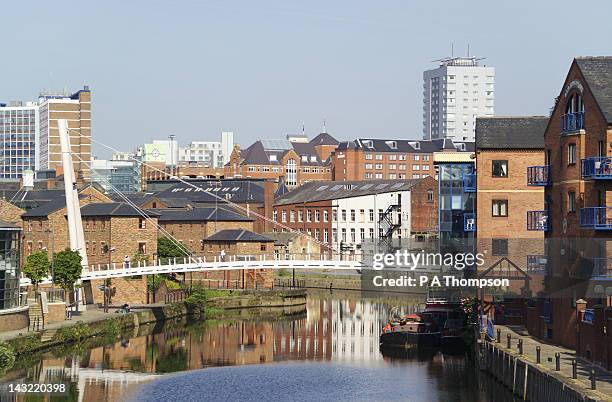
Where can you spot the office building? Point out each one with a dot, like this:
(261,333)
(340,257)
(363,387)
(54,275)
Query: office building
(454,94)
(76,108)
(116,175)
(19,146)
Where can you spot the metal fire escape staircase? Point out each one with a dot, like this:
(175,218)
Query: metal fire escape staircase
(389,222)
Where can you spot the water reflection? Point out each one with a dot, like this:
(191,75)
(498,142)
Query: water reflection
(336,328)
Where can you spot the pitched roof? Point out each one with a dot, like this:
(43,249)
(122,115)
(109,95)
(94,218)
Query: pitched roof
(521,132)
(282,238)
(112,209)
(597,72)
(405,146)
(271,152)
(238,235)
(239,191)
(324,139)
(333,190)
(46,208)
(201,214)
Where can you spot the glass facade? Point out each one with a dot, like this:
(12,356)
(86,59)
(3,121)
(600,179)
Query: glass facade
(457,203)
(18,140)
(9,267)
(123,176)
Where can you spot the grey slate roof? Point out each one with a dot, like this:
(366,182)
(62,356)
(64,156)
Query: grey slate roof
(201,214)
(112,209)
(237,235)
(511,132)
(324,139)
(239,191)
(333,190)
(405,146)
(46,208)
(597,72)
(282,238)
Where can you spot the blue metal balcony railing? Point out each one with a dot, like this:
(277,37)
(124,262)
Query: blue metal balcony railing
(589,315)
(572,121)
(536,263)
(598,167)
(596,218)
(538,175)
(469,182)
(538,220)
(469,222)
(602,266)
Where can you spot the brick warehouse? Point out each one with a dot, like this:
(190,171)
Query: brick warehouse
(294,161)
(240,243)
(578,146)
(345,214)
(505,197)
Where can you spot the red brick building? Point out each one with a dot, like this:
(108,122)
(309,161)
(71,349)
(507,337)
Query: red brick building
(578,146)
(293,161)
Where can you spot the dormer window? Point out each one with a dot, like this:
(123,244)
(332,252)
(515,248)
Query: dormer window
(573,119)
(391,144)
(273,158)
(313,158)
(417,145)
(369,144)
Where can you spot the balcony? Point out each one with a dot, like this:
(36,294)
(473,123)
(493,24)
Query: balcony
(596,218)
(469,222)
(598,167)
(536,263)
(538,220)
(469,182)
(602,266)
(538,175)
(572,122)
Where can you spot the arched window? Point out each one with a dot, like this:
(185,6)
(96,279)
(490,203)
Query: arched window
(291,171)
(573,119)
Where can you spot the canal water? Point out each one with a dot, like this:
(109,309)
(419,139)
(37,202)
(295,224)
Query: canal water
(331,352)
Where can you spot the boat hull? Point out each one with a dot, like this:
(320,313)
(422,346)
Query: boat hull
(452,344)
(408,340)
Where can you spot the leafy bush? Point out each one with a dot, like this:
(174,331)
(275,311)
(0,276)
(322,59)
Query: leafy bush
(7,357)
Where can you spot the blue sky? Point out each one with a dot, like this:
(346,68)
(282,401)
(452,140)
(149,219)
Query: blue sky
(261,68)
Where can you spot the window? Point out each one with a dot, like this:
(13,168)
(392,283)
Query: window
(292,216)
(284,216)
(142,248)
(379,157)
(335,215)
(362,234)
(415,157)
(371,233)
(344,215)
(362,215)
(499,246)
(500,169)
(430,195)
(371,215)
(352,235)
(571,201)
(317,215)
(317,233)
(334,235)
(344,235)
(368,157)
(308,215)
(369,166)
(500,208)
(300,216)
(352,215)
(571,154)
(325,216)
(291,172)
(142,223)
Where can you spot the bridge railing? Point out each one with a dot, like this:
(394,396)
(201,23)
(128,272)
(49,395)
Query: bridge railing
(226,259)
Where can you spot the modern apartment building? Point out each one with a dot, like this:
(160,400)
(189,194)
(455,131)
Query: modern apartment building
(454,94)
(389,159)
(213,154)
(293,161)
(19,126)
(345,214)
(508,203)
(76,108)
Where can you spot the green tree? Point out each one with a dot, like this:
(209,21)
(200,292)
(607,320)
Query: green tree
(37,267)
(67,268)
(167,249)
